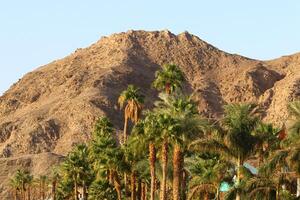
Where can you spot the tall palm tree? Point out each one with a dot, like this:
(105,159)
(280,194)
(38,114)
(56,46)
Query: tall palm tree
(168,79)
(77,166)
(169,128)
(190,126)
(133,102)
(157,127)
(237,142)
(148,135)
(105,153)
(134,153)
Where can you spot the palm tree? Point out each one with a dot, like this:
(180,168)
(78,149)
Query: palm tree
(267,141)
(23,179)
(42,186)
(190,126)
(105,154)
(54,180)
(207,174)
(266,185)
(136,156)
(29,182)
(133,102)
(16,186)
(77,166)
(101,189)
(146,133)
(168,127)
(168,79)
(157,127)
(289,154)
(133,155)
(237,142)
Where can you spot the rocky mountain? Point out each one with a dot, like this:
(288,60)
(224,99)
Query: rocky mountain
(54,107)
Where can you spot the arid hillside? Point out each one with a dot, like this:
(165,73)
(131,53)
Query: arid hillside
(54,107)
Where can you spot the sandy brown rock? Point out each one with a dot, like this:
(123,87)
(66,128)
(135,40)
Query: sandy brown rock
(55,106)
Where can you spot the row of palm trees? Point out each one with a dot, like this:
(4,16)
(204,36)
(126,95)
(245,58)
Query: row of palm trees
(173,152)
(26,187)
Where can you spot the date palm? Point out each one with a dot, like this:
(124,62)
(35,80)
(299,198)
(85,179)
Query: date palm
(237,142)
(289,154)
(132,101)
(266,185)
(206,175)
(267,141)
(168,79)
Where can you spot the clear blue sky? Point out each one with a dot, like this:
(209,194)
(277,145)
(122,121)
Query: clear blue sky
(35,32)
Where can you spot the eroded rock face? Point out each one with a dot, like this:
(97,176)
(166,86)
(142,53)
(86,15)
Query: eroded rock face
(55,106)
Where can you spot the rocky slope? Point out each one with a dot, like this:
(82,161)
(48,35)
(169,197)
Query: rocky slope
(55,106)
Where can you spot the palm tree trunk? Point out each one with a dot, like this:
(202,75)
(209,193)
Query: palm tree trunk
(110,177)
(152,160)
(23,191)
(28,193)
(139,189)
(206,196)
(54,190)
(298,187)
(143,192)
(75,190)
(117,185)
(84,195)
(125,184)
(133,185)
(177,172)
(164,159)
(43,191)
(15,194)
(184,183)
(168,88)
(146,191)
(125,130)
(238,177)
